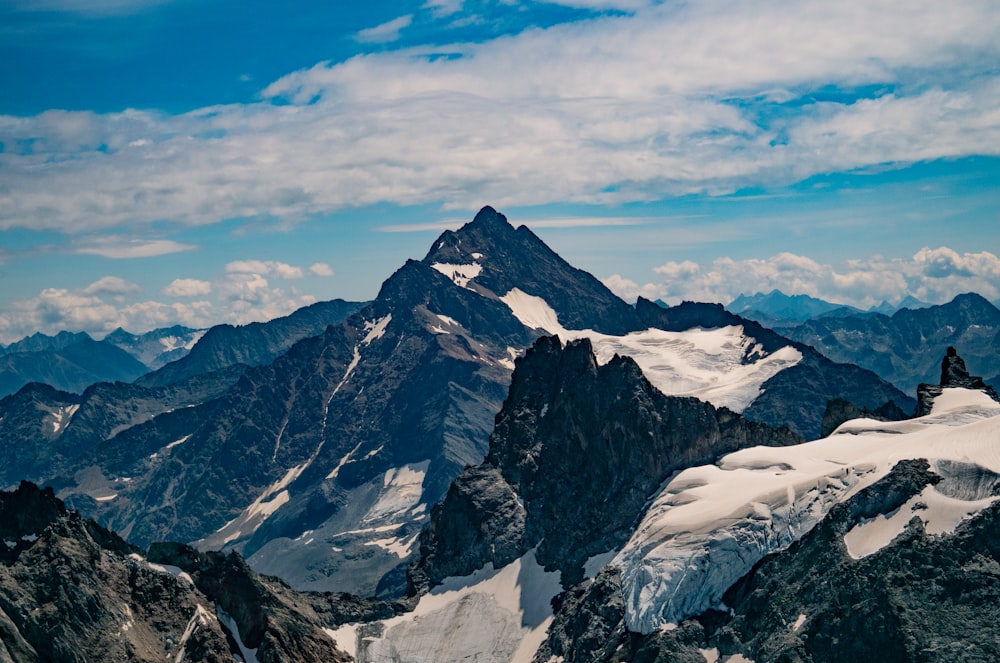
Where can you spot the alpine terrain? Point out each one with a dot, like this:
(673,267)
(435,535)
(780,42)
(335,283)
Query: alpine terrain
(496,459)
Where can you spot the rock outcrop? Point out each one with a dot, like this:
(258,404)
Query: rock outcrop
(954,374)
(577,450)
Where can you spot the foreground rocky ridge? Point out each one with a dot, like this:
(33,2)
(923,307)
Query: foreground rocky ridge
(70,590)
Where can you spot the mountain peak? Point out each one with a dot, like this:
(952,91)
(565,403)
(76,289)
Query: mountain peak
(489,256)
(489,216)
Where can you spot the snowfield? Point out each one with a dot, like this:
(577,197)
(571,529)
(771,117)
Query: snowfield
(709,525)
(722,366)
(491,616)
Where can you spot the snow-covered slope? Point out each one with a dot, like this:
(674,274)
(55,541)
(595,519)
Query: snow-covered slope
(709,525)
(722,366)
(491,616)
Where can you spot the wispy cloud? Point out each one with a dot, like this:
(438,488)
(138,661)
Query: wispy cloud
(441,8)
(679,98)
(932,275)
(272,267)
(120,248)
(386,32)
(87,7)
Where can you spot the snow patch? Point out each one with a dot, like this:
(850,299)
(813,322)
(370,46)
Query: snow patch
(376,329)
(939,513)
(491,616)
(177,442)
(705,363)
(594,564)
(402,488)
(710,524)
(399,547)
(459,274)
(200,618)
(249,655)
(252,517)
(61,417)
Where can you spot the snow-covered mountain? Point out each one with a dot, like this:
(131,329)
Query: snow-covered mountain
(873,496)
(157,347)
(322,465)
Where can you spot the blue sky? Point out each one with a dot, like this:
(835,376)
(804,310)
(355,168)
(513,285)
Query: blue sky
(206,161)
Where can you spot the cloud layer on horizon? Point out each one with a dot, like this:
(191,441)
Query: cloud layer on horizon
(243,293)
(670,100)
(931,275)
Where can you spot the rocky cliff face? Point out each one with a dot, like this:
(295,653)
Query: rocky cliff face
(322,465)
(72,591)
(577,451)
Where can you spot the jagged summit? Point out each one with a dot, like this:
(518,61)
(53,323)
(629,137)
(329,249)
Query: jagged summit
(954,374)
(492,258)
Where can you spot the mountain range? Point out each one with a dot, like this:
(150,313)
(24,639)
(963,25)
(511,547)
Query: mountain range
(517,463)
(878,542)
(322,466)
(778,310)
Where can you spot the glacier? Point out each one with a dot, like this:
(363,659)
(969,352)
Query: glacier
(709,525)
(708,364)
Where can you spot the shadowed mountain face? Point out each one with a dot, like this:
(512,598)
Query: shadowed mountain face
(69,362)
(577,451)
(322,465)
(904,348)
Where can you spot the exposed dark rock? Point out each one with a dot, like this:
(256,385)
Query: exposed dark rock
(839,410)
(583,447)
(953,375)
(280,624)
(922,598)
(70,592)
(589,626)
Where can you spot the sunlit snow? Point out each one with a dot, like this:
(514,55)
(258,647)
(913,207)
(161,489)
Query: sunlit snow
(710,524)
(460,274)
(704,363)
(61,416)
(490,616)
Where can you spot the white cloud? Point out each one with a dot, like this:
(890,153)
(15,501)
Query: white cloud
(680,98)
(111,285)
(320,269)
(270,267)
(386,32)
(441,8)
(187,288)
(931,275)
